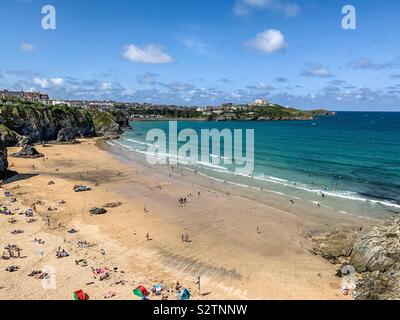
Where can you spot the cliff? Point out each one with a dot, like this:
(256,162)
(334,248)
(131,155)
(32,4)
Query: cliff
(274,112)
(107,124)
(36,123)
(3,162)
(39,123)
(373,253)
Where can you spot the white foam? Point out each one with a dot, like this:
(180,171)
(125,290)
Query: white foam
(139,142)
(347,195)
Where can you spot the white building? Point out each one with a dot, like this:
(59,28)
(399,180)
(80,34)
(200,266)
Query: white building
(60,103)
(261,102)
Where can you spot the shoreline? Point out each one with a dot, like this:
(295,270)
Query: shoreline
(360,197)
(240,188)
(233,259)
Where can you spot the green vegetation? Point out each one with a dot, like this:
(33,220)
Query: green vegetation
(13,110)
(168,112)
(268,112)
(42,122)
(102,119)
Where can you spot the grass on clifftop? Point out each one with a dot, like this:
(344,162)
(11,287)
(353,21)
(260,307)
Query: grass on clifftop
(102,119)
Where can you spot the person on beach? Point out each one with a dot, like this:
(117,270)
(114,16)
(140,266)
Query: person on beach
(198,282)
(147,236)
(18,250)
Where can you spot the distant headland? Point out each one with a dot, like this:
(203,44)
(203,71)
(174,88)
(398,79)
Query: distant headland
(259,110)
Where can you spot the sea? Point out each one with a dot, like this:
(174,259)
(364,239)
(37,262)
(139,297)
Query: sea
(349,162)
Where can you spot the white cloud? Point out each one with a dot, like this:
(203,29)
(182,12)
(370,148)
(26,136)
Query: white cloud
(149,54)
(196,45)
(269,41)
(317,71)
(27,47)
(106,86)
(244,7)
(41,82)
(365,63)
(147,78)
(57,81)
(45,83)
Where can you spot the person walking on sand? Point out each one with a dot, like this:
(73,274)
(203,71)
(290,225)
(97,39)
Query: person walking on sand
(147,236)
(198,282)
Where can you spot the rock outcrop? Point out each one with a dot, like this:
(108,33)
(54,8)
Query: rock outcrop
(3,162)
(337,246)
(40,123)
(375,255)
(8,137)
(27,152)
(106,124)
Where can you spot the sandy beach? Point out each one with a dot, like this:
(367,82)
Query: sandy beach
(240,247)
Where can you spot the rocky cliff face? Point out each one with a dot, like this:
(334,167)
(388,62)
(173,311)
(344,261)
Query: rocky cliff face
(3,162)
(8,137)
(375,255)
(107,124)
(40,123)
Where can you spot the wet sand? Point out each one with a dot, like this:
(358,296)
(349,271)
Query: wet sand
(234,260)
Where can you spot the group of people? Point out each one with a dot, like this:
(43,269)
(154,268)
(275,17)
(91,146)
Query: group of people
(61,253)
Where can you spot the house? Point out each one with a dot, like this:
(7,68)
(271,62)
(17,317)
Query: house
(261,103)
(60,103)
(27,96)
(11,94)
(218,111)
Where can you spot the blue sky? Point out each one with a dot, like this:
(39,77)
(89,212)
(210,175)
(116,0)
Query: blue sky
(206,52)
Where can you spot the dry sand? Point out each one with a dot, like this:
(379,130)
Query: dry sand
(232,258)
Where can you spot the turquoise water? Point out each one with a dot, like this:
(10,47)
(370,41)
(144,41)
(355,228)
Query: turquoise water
(351,160)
